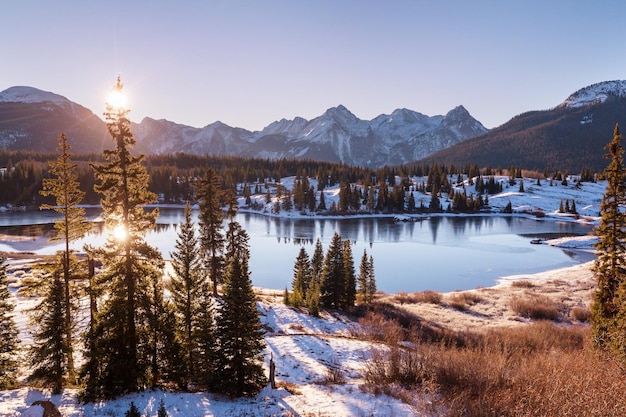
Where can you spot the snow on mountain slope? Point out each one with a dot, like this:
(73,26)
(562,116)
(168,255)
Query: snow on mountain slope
(22,94)
(336,136)
(595,93)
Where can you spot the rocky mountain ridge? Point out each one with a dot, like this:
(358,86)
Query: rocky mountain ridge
(32,119)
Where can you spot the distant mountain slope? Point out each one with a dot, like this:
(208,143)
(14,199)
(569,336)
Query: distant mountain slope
(336,136)
(570,137)
(33,119)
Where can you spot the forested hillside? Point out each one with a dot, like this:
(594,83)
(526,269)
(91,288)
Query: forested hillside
(563,138)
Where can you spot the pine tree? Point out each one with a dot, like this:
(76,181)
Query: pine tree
(607,321)
(371,280)
(301,278)
(206,344)
(239,333)
(317,263)
(313,299)
(162,348)
(349,276)
(333,284)
(48,352)
(363,279)
(211,228)
(133,411)
(128,263)
(322,205)
(162,412)
(8,334)
(71,226)
(186,288)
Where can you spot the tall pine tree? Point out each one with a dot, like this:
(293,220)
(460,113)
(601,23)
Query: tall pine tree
(209,193)
(187,289)
(128,265)
(48,354)
(301,278)
(239,331)
(608,320)
(333,282)
(8,334)
(349,276)
(71,226)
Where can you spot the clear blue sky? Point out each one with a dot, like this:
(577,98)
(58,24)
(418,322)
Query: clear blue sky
(249,63)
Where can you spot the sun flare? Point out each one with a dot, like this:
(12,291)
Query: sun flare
(117,99)
(119,233)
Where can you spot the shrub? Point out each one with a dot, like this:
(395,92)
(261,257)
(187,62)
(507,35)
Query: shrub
(523,284)
(581,314)
(334,374)
(374,326)
(539,369)
(427,296)
(535,308)
(462,300)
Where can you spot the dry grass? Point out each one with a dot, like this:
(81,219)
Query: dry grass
(431,297)
(523,283)
(581,314)
(375,326)
(536,307)
(463,300)
(536,370)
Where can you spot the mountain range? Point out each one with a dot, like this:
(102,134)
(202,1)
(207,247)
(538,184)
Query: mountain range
(32,119)
(568,137)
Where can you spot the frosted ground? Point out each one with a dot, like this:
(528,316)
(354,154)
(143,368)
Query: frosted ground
(306,349)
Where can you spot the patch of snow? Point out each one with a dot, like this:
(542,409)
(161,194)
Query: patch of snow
(595,93)
(30,95)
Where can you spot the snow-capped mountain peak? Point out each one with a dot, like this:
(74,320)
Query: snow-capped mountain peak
(22,94)
(596,93)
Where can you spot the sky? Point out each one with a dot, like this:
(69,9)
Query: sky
(249,63)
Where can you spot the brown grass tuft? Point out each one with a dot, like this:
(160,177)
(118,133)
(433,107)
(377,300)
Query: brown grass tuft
(463,300)
(581,314)
(523,284)
(536,307)
(428,296)
(539,369)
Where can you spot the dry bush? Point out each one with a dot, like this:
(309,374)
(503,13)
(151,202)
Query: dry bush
(536,370)
(463,300)
(334,373)
(536,307)
(375,326)
(428,296)
(581,314)
(290,387)
(523,284)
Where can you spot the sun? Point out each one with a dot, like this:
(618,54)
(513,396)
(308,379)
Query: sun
(117,97)
(119,232)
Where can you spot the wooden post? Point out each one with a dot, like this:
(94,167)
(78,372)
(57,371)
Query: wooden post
(272,372)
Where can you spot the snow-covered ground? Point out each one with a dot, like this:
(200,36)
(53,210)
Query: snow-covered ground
(537,199)
(305,349)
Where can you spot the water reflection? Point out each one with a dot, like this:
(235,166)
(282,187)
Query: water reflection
(440,253)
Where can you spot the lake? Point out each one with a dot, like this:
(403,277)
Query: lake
(440,253)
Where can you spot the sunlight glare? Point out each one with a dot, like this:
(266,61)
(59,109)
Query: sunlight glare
(119,233)
(117,99)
